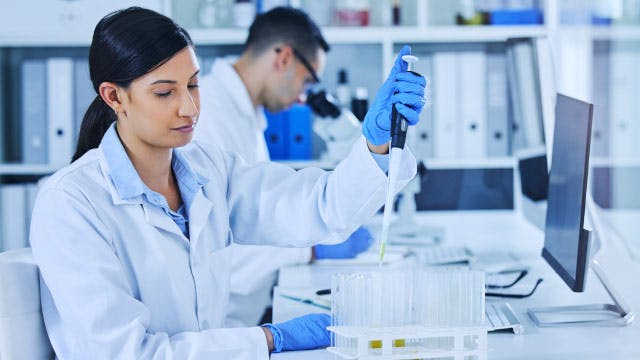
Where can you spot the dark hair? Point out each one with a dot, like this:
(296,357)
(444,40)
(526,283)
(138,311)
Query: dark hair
(289,25)
(126,44)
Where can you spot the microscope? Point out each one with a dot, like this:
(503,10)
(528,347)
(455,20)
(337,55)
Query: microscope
(336,125)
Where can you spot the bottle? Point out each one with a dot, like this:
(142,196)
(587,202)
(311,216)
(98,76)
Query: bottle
(468,14)
(360,103)
(352,12)
(243,13)
(343,93)
(395,13)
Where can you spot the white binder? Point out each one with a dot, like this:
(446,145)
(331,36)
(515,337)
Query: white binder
(422,137)
(497,104)
(472,102)
(524,95)
(34,111)
(60,110)
(445,105)
(601,101)
(623,126)
(83,94)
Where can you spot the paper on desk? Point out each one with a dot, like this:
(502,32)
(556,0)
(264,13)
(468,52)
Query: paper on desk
(496,261)
(286,309)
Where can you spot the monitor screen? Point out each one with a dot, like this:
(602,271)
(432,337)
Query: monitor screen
(566,242)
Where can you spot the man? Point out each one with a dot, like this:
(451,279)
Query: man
(283,55)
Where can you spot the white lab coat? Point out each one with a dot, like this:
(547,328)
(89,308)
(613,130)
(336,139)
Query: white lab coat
(229,120)
(121,281)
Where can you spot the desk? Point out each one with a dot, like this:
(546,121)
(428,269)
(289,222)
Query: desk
(507,230)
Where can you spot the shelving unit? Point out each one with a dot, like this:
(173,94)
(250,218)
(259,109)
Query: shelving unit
(367,53)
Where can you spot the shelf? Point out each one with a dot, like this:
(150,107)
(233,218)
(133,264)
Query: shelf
(224,36)
(601,32)
(334,35)
(300,164)
(377,35)
(27,169)
(461,33)
(433,164)
(53,40)
(617,162)
(482,163)
(619,32)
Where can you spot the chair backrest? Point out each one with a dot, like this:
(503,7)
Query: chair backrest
(22,331)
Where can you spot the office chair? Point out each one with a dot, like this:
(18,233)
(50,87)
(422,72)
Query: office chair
(22,331)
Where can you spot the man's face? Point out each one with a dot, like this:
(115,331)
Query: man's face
(294,80)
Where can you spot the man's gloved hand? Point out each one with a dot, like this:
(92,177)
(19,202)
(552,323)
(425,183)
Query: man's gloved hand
(403,90)
(356,243)
(302,333)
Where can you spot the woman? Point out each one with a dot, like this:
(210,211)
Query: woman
(132,237)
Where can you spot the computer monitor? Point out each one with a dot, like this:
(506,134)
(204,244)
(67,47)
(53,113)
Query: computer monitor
(566,243)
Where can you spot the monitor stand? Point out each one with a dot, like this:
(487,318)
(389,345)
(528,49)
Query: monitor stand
(616,314)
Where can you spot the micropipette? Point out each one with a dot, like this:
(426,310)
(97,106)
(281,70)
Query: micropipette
(398,136)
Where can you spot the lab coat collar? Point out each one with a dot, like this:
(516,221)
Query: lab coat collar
(224,73)
(189,180)
(125,179)
(191,183)
(123,175)
(129,188)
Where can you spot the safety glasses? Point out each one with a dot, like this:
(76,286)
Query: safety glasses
(306,64)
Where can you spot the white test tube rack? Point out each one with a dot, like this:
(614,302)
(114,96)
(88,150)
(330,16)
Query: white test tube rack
(445,318)
(410,342)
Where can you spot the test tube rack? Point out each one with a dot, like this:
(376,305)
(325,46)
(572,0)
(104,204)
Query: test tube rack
(409,342)
(409,314)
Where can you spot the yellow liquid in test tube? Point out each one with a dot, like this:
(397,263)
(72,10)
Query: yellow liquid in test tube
(377,344)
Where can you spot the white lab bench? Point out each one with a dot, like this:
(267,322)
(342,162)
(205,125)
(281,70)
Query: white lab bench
(483,231)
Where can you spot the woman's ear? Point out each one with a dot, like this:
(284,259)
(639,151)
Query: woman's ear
(109,94)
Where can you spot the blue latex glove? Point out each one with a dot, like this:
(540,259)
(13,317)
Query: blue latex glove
(302,333)
(356,243)
(403,90)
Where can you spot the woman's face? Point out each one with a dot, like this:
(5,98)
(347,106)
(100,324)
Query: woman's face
(160,109)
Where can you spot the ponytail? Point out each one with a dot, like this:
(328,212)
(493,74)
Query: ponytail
(95,123)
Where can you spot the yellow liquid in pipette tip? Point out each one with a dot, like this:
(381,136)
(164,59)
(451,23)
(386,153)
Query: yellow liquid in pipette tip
(381,258)
(383,237)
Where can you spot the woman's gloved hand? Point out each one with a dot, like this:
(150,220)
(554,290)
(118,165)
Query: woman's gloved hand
(403,90)
(302,333)
(356,243)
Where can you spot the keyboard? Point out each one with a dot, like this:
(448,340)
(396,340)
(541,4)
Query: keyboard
(443,255)
(500,316)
